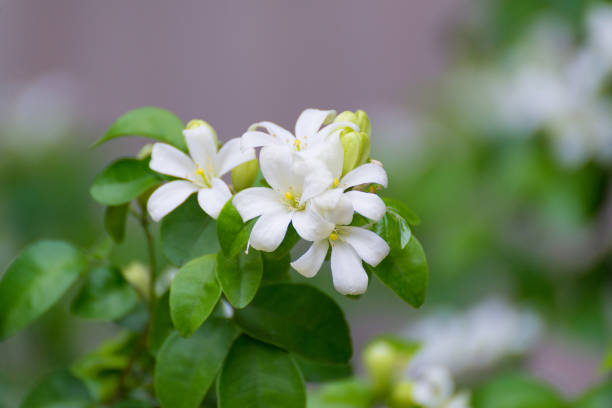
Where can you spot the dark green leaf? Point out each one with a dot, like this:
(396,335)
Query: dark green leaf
(59,389)
(232,232)
(161,325)
(298,318)
(35,281)
(315,371)
(115,219)
(123,181)
(194,292)
(187,233)
(598,397)
(275,269)
(186,368)
(257,375)
(349,393)
(133,404)
(148,121)
(106,295)
(240,276)
(405,272)
(516,391)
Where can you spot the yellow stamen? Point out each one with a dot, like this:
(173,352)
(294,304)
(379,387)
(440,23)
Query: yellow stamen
(296,142)
(195,123)
(200,171)
(289,196)
(373,188)
(336,182)
(333,236)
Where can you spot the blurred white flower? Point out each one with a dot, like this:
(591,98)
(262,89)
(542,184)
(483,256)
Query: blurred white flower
(435,389)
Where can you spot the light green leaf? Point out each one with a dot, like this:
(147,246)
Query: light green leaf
(315,371)
(123,181)
(115,219)
(402,210)
(607,363)
(516,391)
(186,368)
(393,227)
(257,375)
(194,292)
(232,232)
(106,295)
(406,273)
(59,389)
(349,393)
(148,121)
(298,318)
(240,276)
(39,276)
(187,233)
(161,324)
(597,397)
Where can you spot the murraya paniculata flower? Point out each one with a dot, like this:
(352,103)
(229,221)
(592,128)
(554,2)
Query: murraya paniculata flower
(199,172)
(436,389)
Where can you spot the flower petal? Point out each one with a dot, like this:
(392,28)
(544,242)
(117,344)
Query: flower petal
(202,146)
(169,196)
(461,400)
(269,230)
(213,199)
(329,129)
(316,178)
(365,174)
(368,245)
(367,204)
(231,155)
(329,151)
(276,163)
(279,132)
(311,226)
(256,138)
(256,201)
(348,274)
(434,388)
(309,264)
(166,159)
(341,213)
(310,121)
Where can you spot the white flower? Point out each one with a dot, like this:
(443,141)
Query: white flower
(200,173)
(308,132)
(294,182)
(435,389)
(350,245)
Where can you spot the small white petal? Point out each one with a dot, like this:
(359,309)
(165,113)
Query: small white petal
(367,204)
(368,245)
(276,163)
(169,196)
(269,230)
(166,159)
(328,200)
(202,146)
(329,129)
(348,274)
(275,130)
(213,199)
(365,174)
(341,213)
(316,178)
(461,400)
(231,155)
(311,226)
(256,138)
(329,151)
(309,264)
(255,201)
(310,121)
(434,388)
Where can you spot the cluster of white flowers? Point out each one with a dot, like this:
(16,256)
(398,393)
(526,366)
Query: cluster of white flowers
(307,189)
(435,388)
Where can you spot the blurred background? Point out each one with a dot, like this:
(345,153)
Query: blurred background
(493,119)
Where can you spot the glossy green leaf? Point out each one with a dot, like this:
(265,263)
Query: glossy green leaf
(406,273)
(402,210)
(349,393)
(240,276)
(39,276)
(123,181)
(233,234)
(275,269)
(148,121)
(59,389)
(393,227)
(186,368)
(106,295)
(115,219)
(298,318)
(194,292)
(516,391)
(257,375)
(597,397)
(187,233)
(315,371)
(161,324)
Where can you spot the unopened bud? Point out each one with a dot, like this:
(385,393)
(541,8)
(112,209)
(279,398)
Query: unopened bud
(137,275)
(380,360)
(356,144)
(196,123)
(145,151)
(244,175)
(401,395)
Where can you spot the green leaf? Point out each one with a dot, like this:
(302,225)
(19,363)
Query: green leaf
(405,272)
(161,324)
(106,295)
(133,404)
(516,391)
(597,397)
(148,121)
(402,210)
(187,233)
(123,181)
(393,227)
(607,363)
(349,393)
(298,318)
(315,371)
(240,276)
(186,368)
(257,375)
(39,276)
(232,232)
(115,219)
(59,389)
(193,294)
(275,269)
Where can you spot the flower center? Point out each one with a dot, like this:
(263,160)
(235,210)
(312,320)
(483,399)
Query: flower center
(293,201)
(336,182)
(200,172)
(333,236)
(297,144)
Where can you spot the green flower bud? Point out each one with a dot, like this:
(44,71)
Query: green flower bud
(380,360)
(356,144)
(194,123)
(137,274)
(244,175)
(145,152)
(401,395)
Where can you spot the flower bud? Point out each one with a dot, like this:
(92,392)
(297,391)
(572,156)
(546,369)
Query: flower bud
(196,123)
(137,274)
(145,152)
(356,144)
(380,360)
(244,175)
(401,395)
